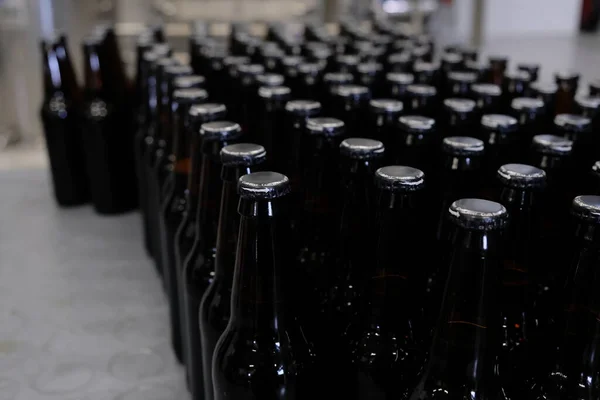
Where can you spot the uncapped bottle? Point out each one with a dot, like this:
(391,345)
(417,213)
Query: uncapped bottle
(384,342)
(60,119)
(574,368)
(198,266)
(522,360)
(186,232)
(215,307)
(467,340)
(263,353)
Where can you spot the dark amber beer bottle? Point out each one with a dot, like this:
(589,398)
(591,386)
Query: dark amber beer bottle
(487,97)
(307,82)
(458,117)
(522,359)
(391,321)
(215,308)
(186,232)
(547,93)
(458,84)
(198,266)
(451,62)
(421,100)
(350,104)
(359,159)
(370,74)
(397,84)
(415,143)
(463,357)
(568,82)
(263,353)
(574,370)
(270,124)
(383,120)
(60,119)
(578,129)
(347,63)
(174,203)
(318,218)
(515,84)
(427,73)
(331,81)
(107,151)
(589,107)
(498,66)
(400,62)
(529,113)
(479,68)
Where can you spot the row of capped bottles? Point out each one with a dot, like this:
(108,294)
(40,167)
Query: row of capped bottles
(416,240)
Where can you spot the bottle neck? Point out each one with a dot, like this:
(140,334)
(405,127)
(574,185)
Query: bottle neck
(209,194)
(51,71)
(229,223)
(394,277)
(467,332)
(93,73)
(181,135)
(258,302)
(193,184)
(69,82)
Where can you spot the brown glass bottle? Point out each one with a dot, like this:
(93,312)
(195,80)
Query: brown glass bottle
(397,83)
(347,63)
(460,176)
(359,159)
(331,81)
(481,69)
(568,82)
(533,69)
(215,307)
(427,73)
(198,266)
(270,125)
(578,129)
(350,104)
(458,117)
(318,225)
(370,74)
(107,151)
(307,81)
(498,66)
(522,361)
(383,121)
(529,113)
(263,353)
(487,97)
(574,373)
(400,62)
(450,62)
(186,232)
(415,143)
(515,84)
(421,100)
(467,340)
(547,93)
(60,119)
(384,342)
(458,84)
(589,107)
(174,202)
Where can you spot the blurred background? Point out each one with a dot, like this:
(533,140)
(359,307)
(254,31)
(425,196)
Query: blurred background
(557,33)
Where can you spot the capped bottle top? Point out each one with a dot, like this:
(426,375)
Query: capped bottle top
(325,126)
(566,75)
(421,51)
(361,148)
(402,78)
(572,122)
(305,108)
(347,59)
(527,104)
(243,154)
(587,208)
(462,76)
(458,105)
(263,185)
(452,58)
(416,123)
(250,69)
(486,89)
(352,91)
(424,66)
(339,78)
(418,89)
(545,88)
(521,176)
(402,44)
(400,58)
(478,214)
(270,79)
(309,69)
(517,76)
(463,146)
(385,106)
(552,144)
(369,68)
(321,53)
(189,81)
(220,130)
(476,66)
(274,92)
(231,61)
(203,112)
(173,71)
(398,178)
(588,102)
(161,49)
(499,122)
(190,95)
(151,56)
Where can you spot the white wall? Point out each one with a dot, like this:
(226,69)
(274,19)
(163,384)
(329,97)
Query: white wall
(534,17)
